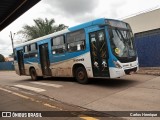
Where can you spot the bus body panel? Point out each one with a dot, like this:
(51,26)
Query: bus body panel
(35,66)
(19,63)
(64,68)
(16,67)
(61,65)
(116,72)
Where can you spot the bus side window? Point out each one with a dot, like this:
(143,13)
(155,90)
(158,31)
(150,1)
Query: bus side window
(33,47)
(76,41)
(32,51)
(26,49)
(82,45)
(58,45)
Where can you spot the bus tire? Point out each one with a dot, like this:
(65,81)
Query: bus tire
(33,74)
(81,75)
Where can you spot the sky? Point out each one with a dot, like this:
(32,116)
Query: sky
(74,12)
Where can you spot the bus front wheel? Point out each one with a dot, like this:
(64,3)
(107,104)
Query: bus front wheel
(81,75)
(33,74)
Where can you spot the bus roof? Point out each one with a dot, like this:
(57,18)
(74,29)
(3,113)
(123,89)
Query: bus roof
(70,29)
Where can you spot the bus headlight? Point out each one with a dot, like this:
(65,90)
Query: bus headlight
(117,65)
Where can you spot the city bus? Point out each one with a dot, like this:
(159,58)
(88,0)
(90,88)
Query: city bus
(102,48)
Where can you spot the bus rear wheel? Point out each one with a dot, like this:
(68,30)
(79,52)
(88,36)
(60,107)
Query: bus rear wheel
(33,74)
(81,75)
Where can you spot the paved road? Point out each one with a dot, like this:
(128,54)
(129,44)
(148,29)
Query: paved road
(129,93)
(19,104)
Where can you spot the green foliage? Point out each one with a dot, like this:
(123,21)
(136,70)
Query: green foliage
(2,59)
(40,28)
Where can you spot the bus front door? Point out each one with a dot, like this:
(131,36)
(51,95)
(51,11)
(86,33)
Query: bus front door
(44,59)
(21,62)
(99,54)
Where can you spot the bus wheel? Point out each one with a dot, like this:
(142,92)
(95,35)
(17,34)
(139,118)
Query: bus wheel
(33,74)
(81,75)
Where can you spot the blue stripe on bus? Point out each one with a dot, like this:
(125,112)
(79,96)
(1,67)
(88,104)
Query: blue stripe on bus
(30,60)
(111,56)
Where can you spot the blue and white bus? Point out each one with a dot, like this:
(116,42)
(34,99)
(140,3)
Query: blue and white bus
(102,48)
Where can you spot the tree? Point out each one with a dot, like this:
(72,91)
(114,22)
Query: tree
(40,28)
(2,59)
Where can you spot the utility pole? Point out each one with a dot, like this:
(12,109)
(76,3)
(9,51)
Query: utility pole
(12,36)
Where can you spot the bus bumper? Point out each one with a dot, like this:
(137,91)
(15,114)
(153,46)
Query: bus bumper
(117,72)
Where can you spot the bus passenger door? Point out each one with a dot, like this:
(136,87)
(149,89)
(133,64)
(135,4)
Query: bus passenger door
(99,54)
(21,62)
(44,59)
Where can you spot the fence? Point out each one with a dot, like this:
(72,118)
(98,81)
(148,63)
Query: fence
(6,65)
(148,48)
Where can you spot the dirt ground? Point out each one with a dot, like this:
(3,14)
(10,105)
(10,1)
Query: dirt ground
(149,71)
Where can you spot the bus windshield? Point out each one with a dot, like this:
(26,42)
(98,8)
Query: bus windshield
(121,41)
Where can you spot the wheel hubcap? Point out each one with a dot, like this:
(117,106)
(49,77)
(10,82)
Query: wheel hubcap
(81,75)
